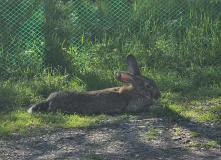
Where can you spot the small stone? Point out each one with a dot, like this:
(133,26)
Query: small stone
(141,127)
(187,141)
(176,138)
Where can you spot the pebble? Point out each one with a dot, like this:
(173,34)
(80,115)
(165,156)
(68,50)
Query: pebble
(176,138)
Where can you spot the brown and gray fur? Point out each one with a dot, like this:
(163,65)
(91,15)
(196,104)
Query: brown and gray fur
(140,95)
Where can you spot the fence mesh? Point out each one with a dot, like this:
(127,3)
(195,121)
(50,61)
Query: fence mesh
(22,35)
(38,33)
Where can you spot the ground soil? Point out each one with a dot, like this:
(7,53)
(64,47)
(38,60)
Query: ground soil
(145,137)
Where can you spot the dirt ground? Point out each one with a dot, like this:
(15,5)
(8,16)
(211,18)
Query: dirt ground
(140,139)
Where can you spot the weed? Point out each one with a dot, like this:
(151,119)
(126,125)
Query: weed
(200,144)
(114,144)
(93,155)
(195,134)
(153,133)
(177,131)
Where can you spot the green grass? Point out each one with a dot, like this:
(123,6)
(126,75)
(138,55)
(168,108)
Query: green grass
(195,134)
(200,144)
(22,123)
(18,94)
(201,108)
(153,133)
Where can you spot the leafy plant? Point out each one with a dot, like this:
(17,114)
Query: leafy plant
(153,133)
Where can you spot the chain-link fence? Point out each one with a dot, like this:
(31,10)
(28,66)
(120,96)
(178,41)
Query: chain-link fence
(22,35)
(38,33)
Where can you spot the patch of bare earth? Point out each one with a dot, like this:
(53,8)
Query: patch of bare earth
(139,139)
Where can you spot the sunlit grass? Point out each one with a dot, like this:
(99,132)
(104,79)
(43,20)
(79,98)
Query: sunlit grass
(153,133)
(20,93)
(201,144)
(22,123)
(203,115)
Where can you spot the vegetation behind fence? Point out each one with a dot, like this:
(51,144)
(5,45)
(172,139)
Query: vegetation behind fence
(168,34)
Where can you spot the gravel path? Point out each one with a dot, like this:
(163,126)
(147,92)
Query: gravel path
(139,139)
